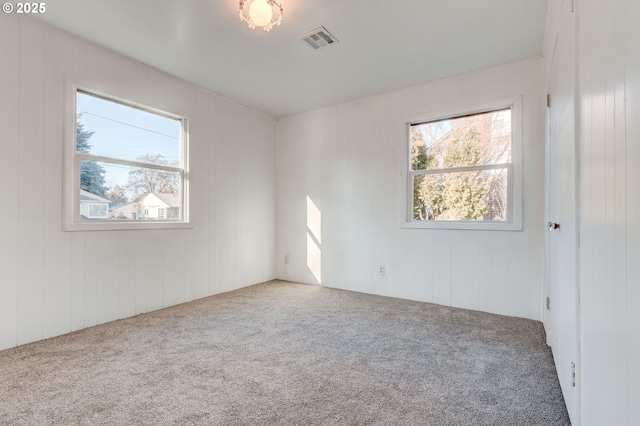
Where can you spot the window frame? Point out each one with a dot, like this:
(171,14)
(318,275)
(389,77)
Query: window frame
(72,162)
(514,170)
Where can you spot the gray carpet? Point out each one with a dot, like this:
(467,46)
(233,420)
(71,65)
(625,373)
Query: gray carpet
(280,353)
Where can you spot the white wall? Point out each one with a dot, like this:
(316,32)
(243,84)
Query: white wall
(609,76)
(349,160)
(54,282)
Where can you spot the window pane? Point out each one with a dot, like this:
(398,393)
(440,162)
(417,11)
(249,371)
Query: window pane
(114,130)
(122,192)
(474,140)
(461,196)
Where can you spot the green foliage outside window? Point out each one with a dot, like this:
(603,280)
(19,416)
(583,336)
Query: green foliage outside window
(460,168)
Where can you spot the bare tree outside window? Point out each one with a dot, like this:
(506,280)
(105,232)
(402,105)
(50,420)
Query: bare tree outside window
(130,160)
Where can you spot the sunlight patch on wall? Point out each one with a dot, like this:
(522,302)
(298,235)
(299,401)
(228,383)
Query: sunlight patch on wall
(314,258)
(314,240)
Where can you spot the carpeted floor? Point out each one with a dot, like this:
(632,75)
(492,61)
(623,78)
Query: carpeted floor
(288,354)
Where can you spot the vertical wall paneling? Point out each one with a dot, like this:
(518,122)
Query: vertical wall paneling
(629,20)
(609,159)
(223,203)
(390,201)
(189,271)
(180,250)
(588,247)
(155,271)
(201,200)
(141,274)
(266,224)
(500,279)
(610,326)
(382,208)
(521,270)
(360,183)
(457,261)
(91,245)
(9,171)
(484,269)
(629,17)
(338,224)
(410,277)
(467,293)
(77,281)
(235,197)
(439,255)
(324,149)
(247,227)
(615,200)
(169,271)
(57,245)
(127,275)
(54,281)
(78,239)
(239,198)
(222,256)
(31,181)
(108,284)
(79,62)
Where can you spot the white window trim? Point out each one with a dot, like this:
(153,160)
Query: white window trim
(71,163)
(515,169)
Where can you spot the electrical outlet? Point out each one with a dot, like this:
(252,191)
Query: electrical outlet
(286,259)
(381,270)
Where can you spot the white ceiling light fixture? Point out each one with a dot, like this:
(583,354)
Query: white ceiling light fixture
(262,13)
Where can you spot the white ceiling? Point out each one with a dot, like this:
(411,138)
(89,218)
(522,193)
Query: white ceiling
(383,45)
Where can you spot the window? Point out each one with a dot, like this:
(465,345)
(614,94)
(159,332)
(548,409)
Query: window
(128,160)
(464,170)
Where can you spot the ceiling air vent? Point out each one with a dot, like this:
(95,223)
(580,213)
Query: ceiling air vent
(318,38)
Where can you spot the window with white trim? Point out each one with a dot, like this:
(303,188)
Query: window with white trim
(129,162)
(462,170)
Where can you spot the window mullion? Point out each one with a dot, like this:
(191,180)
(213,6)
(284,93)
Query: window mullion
(110,160)
(459,169)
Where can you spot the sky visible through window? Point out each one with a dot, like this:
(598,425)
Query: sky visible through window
(126,133)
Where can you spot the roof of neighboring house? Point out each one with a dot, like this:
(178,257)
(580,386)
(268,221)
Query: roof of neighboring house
(124,208)
(87,196)
(170,200)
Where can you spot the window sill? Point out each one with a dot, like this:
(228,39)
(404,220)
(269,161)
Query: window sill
(472,226)
(126,226)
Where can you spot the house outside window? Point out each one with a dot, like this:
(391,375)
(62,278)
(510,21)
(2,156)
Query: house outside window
(464,169)
(93,206)
(125,158)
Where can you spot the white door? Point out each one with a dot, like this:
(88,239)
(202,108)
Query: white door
(562,227)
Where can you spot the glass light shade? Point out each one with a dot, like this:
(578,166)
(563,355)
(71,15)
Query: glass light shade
(260,12)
